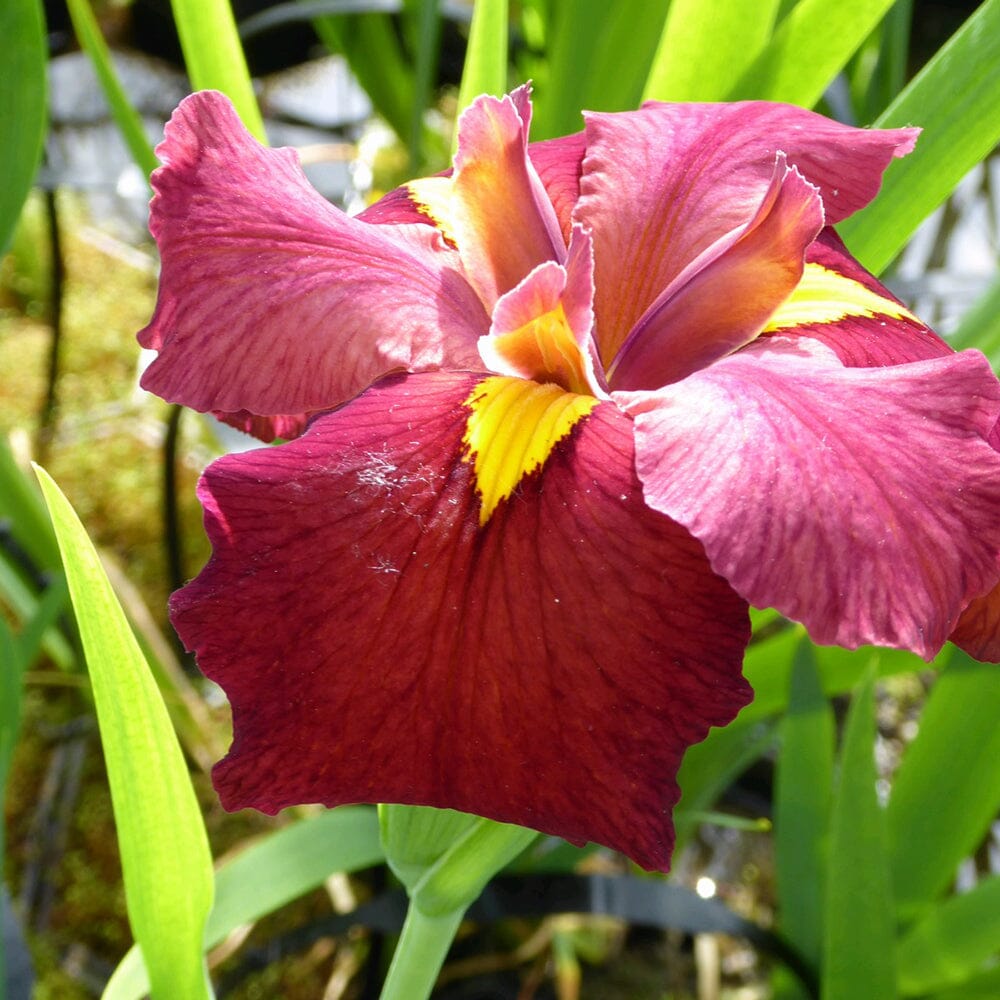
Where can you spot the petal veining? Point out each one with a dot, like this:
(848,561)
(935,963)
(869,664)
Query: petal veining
(548,669)
(860,501)
(273,301)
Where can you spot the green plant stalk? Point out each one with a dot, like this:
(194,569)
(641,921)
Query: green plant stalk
(420,953)
(214,57)
(88,34)
(485,70)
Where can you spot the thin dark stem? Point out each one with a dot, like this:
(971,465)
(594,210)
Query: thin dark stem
(47,418)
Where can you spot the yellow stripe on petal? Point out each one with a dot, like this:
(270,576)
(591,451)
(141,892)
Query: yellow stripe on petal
(824,296)
(432,196)
(513,426)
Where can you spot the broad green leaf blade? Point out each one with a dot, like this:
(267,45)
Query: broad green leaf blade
(88,34)
(214,56)
(956,98)
(165,856)
(803,793)
(947,789)
(705,47)
(276,869)
(859,938)
(23,55)
(485,70)
(808,49)
(599,59)
(984,987)
(952,942)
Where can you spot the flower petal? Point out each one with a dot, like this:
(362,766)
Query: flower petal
(662,184)
(501,216)
(272,300)
(978,630)
(860,501)
(722,301)
(547,668)
(542,329)
(843,306)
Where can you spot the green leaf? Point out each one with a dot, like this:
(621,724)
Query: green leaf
(947,789)
(980,326)
(276,869)
(23,52)
(165,856)
(859,938)
(808,49)
(88,34)
(952,942)
(803,794)
(600,54)
(485,70)
(214,56)
(955,98)
(984,987)
(705,47)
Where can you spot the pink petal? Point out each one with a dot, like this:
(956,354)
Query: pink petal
(273,301)
(860,501)
(503,220)
(281,425)
(870,339)
(978,630)
(662,184)
(722,301)
(377,644)
(559,163)
(542,329)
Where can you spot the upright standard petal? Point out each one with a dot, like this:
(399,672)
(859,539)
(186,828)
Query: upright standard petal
(502,219)
(273,301)
(545,665)
(860,501)
(662,184)
(722,301)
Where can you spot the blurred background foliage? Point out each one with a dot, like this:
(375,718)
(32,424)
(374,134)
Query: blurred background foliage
(839,839)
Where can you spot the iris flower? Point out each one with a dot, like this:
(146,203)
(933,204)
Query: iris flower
(557,418)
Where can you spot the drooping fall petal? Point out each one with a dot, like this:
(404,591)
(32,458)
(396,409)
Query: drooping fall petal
(978,630)
(273,301)
(860,501)
(724,298)
(380,641)
(661,185)
(840,304)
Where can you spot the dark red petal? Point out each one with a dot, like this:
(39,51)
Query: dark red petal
(377,644)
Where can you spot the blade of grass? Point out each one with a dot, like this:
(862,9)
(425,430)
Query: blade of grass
(807,50)
(705,47)
(599,58)
(859,936)
(23,105)
(947,789)
(271,872)
(485,69)
(214,56)
(878,71)
(803,794)
(166,863)
(980,326)
(88,34)
(955,98)
(952,942)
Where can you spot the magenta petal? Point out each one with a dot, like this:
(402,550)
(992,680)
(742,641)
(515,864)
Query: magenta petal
(548,668)
(662,184)
(272,300)
(724,299)
(860,501)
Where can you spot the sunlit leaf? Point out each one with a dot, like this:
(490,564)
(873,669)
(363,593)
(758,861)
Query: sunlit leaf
(947,789)
(706,47)
(952,942)
(807,50)
(859,936)
(166,863)
(485,70)
(955,98)
(23,54)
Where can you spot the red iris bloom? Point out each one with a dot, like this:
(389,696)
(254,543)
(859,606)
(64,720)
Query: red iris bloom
(569,410)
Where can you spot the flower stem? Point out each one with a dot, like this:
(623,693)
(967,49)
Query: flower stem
(421,952)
